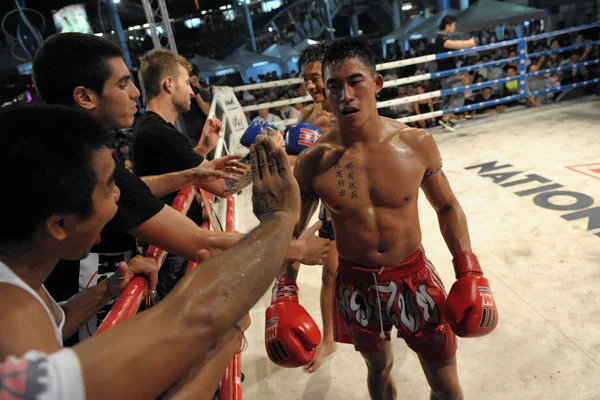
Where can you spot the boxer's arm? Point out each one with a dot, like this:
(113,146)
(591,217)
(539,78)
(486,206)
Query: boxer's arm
(435,185)
(309,201)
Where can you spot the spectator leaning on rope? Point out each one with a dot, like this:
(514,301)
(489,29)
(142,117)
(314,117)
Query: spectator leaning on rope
(444,43)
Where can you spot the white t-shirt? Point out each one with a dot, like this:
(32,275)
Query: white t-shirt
(272,118)
(56,315)
(37,376)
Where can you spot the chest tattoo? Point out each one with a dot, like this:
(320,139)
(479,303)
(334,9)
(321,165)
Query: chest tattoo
(345,180)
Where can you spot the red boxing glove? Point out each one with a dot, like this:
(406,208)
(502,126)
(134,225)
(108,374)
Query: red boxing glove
(291,335)
(470,307)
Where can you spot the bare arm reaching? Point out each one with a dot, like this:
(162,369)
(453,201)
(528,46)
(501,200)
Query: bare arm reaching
(205,176)
(189,323)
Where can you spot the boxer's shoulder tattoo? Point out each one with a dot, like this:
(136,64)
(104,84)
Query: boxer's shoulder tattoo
(435,171)
(308,197)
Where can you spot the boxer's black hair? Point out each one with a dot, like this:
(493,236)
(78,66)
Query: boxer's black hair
(312,54)
(46,166)
(67,60)
(342,50)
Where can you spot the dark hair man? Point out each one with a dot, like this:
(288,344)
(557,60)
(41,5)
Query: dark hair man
(444,43)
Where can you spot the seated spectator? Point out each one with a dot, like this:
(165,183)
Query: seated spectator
(390,75)
(400,110)
(420,70)
(487,94)
(423,107)
(512,88)
(541,82)
(573,75)
(485,70)
(265,116)
(295,111)
(286,111)
(553,60)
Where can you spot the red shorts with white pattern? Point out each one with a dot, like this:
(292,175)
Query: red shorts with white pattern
(409,296)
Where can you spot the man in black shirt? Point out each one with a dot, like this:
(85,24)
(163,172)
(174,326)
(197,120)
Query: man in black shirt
(195,119)
(444,43)
(487,94)
(158,147)
(88,72)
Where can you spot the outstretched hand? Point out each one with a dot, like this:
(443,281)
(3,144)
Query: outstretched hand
(220,168)
(274,188)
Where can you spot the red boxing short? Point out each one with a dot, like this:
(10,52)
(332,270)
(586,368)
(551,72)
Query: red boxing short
(409,296)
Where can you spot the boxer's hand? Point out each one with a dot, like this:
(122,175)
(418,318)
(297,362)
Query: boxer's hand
(210,133)
(137,266)
(274,188)
(220,168)
(314,248)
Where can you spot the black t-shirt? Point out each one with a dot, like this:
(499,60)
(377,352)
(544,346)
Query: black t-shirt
(158,148)
(195,119)
(438,47)
(479,99)
(136,205)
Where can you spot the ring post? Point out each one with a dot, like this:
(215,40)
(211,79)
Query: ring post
(522,66)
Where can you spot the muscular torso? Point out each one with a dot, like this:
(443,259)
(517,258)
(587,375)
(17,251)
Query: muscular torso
(371,192)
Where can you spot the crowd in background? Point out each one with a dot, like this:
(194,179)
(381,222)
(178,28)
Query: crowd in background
(423,47)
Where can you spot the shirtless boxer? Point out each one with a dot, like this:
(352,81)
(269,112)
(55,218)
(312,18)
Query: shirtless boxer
(367,171)
(319,114)
(153,351)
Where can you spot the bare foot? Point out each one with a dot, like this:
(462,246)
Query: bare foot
(323,350)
